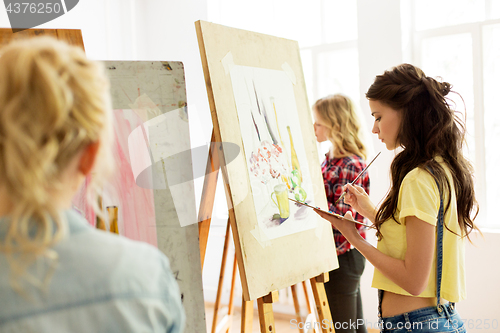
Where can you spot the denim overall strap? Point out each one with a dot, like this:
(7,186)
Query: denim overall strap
(439,250)
(380,296)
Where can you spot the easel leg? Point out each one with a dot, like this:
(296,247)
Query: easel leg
(221,279)
(231,295)
(246,316)
(208,197)
(306,295)
(296,303)
(322,306)
(266,316)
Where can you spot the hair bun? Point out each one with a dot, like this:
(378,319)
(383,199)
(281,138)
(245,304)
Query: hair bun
(445,88)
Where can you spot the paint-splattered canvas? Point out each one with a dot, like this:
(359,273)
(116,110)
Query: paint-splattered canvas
(152,188)
(136,210)
(274,150)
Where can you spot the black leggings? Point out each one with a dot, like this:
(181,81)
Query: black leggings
(344,296)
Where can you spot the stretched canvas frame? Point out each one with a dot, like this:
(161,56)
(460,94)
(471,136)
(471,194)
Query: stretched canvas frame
(258,101)
(151,122)
(152,185)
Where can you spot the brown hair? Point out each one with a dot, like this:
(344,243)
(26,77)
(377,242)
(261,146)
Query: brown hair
(337,113)
(429,128)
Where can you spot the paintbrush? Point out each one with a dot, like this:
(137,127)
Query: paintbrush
(329,213)
(356,179)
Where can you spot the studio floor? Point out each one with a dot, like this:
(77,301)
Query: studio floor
(283,322)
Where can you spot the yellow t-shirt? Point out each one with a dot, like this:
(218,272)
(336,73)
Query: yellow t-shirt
(419,196)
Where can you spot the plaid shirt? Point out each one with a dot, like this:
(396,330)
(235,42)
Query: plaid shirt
(336,173)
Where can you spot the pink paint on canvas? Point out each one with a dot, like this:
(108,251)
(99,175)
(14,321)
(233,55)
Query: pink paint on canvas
(136,212)
(81,204)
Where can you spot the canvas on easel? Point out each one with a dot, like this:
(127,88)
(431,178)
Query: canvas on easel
(152,188)
(258,101)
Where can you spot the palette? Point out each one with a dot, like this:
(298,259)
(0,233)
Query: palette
(329,213)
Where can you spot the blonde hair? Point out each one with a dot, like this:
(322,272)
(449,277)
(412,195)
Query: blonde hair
(337,113)
(54,102)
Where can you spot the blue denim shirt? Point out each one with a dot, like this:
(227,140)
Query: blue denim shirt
(102,283)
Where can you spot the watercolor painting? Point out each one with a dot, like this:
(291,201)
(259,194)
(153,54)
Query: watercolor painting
(274,150)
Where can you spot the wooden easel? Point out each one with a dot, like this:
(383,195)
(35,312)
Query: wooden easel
(264,304)
(70,36)
(247,311)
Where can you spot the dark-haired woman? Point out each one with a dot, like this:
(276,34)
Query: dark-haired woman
(429,211)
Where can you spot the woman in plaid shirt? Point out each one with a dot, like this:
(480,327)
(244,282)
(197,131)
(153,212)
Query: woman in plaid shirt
(335,120)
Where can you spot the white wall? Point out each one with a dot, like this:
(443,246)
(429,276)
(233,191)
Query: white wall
(106,29)
(145,30)
(142,30)
(165,31)
(483,290)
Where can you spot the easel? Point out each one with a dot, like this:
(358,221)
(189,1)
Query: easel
(264,304)
(247,308)
(70,36)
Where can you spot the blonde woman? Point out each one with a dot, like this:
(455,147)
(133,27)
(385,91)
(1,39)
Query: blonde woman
(335,120)
(57,274)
